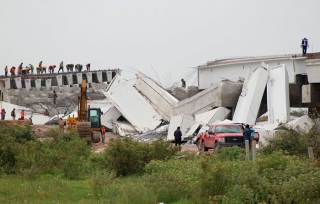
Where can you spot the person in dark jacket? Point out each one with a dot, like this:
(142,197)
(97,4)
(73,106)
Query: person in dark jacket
(304,45)
(177,136)
(247,134)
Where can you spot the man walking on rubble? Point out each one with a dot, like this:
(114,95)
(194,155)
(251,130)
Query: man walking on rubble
(183,83)
(177,136)
(54,97)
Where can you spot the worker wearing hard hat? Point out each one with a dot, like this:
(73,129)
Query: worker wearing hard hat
(13,113)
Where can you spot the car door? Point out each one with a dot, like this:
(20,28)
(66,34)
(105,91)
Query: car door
(210,137)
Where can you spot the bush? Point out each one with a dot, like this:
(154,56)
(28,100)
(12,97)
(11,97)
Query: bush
(295,142)
(126,156)
(12,138)
(59,153)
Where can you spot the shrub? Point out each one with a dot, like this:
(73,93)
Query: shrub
(295,142)
(126,156)
(59,153)
(173,180)
(11,139)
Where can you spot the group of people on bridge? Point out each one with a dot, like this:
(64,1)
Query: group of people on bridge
(27,70)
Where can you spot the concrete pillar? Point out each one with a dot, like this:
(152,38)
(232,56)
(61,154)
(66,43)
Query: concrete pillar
(38,84)
(247,148)
(18,82)
(99,76)
(2,85)
(89,77)
(109,76)
(79,78)
(48,84)
(7,83)
(28,84)
(310,153)
(254,149)
(70,79)
(59,80)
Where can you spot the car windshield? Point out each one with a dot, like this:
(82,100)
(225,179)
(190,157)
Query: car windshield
(228,128)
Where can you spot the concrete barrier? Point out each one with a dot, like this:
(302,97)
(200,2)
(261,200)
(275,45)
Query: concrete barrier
(70,79)
(59,80)
(38,84)
(109,76)
(18,82)
(79,78)
(7,83)
(48,84)
(28,84)
(89,77)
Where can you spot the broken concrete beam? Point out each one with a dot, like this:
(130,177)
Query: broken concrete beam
(250,98)
(132,105)
(278,95)
(159,98)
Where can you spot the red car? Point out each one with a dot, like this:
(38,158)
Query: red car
(221,135)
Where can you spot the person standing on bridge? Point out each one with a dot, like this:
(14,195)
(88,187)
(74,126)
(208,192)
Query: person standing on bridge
(6,71)
(61,67)
(51,68)
(88,67)
(13,70)
(32,68)
(20,68)
(304,45)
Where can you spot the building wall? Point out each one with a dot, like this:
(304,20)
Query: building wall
(210,75)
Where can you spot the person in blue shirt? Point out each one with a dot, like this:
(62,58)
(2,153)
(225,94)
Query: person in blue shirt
(304,45)
(177,136)
(247,134)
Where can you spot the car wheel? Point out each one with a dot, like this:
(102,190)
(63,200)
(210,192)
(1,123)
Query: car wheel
(203,147)
(199,145)
(216,147)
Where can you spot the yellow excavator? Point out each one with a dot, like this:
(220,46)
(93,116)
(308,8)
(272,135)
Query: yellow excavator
(88,122)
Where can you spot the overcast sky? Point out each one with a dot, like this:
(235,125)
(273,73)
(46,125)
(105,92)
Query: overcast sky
(163,39)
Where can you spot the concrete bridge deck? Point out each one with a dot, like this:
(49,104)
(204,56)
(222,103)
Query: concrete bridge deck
(56,79)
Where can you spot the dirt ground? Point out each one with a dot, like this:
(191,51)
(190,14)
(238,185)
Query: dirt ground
(39,131)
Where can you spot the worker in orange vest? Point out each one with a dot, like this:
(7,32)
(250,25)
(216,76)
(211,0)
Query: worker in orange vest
(12,70)
(103,133)
(21,115)
(20,68)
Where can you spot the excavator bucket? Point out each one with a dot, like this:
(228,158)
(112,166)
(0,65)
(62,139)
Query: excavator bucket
(84,129)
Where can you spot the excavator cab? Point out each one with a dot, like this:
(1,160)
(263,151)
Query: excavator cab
(94,117)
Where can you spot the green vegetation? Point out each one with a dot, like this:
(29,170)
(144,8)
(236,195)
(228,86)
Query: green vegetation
(61,169)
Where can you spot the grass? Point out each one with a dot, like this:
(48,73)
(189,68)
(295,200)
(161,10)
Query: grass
(46,189)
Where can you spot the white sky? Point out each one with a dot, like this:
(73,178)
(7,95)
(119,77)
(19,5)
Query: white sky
(169,35)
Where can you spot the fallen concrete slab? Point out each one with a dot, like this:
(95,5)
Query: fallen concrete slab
(278,95)
(132,105)
(159,98)
(207,118)
(304,124)
(123,128)
(185,122)
(250,98)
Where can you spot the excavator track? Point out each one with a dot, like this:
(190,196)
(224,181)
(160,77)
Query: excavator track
(84,129)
